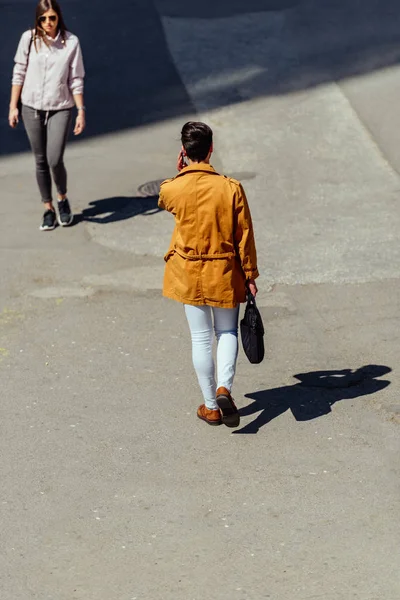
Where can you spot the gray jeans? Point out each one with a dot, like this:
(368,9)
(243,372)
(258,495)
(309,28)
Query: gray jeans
(47,133)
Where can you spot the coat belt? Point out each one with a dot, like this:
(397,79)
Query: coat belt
(204,256)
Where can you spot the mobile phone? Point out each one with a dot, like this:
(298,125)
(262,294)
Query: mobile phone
(183,159)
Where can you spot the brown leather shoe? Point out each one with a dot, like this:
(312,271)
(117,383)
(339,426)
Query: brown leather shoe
(212,417)
(230,415)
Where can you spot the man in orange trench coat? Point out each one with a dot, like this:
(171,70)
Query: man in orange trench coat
(210,261)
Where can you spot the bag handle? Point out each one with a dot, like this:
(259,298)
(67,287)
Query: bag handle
(29,50)
(250,298)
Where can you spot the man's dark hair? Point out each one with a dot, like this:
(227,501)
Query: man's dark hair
(197,139)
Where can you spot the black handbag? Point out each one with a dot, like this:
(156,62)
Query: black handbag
(252,331)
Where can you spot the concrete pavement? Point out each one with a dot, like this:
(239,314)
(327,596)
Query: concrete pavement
(111,486)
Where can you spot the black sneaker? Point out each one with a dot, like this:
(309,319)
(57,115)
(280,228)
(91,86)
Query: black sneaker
(49,221)
(65,216)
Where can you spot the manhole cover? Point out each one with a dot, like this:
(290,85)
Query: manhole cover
(151,188)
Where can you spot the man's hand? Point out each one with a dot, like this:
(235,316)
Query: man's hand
(251,284)
(181,164)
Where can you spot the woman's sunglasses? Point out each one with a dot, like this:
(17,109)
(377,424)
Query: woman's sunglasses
(52,18)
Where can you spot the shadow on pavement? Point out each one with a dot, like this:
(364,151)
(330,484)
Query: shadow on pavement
(119,208)
(132,79)
(314,395)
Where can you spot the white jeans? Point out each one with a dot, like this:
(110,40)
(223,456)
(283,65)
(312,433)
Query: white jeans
(200,319)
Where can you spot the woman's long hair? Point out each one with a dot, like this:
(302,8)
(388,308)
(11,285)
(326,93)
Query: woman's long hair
(42,7)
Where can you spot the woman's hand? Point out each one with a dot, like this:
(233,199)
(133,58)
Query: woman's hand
(80,123)
(13,117)
(251,284)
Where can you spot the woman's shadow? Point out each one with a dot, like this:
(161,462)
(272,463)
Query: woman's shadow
(118,208)
(121,208)
(314,395)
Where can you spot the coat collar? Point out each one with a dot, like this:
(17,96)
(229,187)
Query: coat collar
(204,167)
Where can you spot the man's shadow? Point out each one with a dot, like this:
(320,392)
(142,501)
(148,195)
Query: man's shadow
(314,395)
(119,208)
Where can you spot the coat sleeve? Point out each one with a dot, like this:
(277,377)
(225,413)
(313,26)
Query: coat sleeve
(21,59)
(163,201)
(244,235)
(76,71)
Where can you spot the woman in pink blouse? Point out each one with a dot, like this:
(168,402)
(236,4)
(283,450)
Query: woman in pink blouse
(48,81)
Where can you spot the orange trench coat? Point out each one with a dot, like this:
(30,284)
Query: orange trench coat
(212,250)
